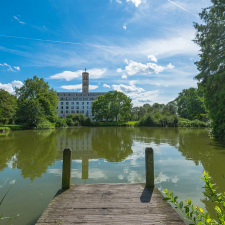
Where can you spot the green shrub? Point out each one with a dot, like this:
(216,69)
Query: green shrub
(191,123)
(77,119)
(44,124)
(60,122)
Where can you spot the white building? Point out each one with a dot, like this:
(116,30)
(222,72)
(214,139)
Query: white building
(77,102)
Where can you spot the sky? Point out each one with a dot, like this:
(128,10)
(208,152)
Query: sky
(143,48)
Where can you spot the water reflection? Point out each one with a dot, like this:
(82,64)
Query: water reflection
(110,154)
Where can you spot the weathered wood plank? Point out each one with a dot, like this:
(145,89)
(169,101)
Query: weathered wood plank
(109,204)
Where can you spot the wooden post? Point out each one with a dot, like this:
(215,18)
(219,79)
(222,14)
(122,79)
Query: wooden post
(149,167)
(66,171)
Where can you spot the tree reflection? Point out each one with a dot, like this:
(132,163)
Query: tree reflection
(34,151)
(195,145)
(113,144)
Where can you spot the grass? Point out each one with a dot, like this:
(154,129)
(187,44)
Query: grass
(114,123)
(12,127)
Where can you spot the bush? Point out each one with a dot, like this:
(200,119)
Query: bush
(60,122)
(77,119)
(191,123)
(44,124)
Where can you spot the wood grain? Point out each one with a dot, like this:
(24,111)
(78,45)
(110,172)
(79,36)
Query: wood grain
(109,204)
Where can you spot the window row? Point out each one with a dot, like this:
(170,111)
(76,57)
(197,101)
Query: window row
(73,107)
(77,103)
(74,111)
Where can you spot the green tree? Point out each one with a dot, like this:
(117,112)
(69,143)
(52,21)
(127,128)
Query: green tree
(190,104)
(7,107)
(36,102)
(112,104)
(210,38)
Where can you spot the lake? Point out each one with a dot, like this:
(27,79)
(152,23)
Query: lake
(31,161)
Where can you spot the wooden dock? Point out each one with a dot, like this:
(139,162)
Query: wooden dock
(109,204)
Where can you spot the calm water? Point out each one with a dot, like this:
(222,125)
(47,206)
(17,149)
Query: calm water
(33,161)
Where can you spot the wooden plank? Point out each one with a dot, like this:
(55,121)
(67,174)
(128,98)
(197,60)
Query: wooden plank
(109,204)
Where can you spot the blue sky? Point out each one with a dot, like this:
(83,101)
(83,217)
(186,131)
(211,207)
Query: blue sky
(143,48)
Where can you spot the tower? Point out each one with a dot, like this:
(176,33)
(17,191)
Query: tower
(85,82)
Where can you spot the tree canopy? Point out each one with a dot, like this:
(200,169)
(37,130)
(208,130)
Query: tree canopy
(7,107)
(210,37)
(112,105)
(36,102)
(190,104)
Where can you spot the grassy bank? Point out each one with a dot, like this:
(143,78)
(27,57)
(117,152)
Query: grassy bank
(114,123)
(12,127)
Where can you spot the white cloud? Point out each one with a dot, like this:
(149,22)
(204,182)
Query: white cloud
(10,86)
(149,68)
(136,2)
(127,88)
(17,19)
(119,70)
(77,87)
(119,1)
(124,27)
(17,68)
(69,75)
(124,76)
(170,66)
(9,68)
(106,85)
(152,58)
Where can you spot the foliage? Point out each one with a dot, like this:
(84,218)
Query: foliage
(45,124)
(29,112)
(114,123)
(190,104)
(36,102)
(195,214)
(77,120)
(159,120)
(60,122)
(191,123)
(13,127)
(211,66)
(112,105)
(138,113)
(7,107)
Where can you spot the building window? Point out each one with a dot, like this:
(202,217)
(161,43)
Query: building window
(77,107)
(67,107)
(87,111)
(77,111)
(77,103)
(72,99)
(75,95)
(61,107)
(82,103)
(72,103)
(67,112)
(72,111)
(82,111)
(72,107)
(69,94)
(87,107)
(83,107)
(64,94)
(77,99)
(61,112)
(61,99)
(88,102)
(67,98)
(61,103)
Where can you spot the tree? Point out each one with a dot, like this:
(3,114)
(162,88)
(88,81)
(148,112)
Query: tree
(190,104)
(36,102)
(112,104)
(7,107)
(210,37)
